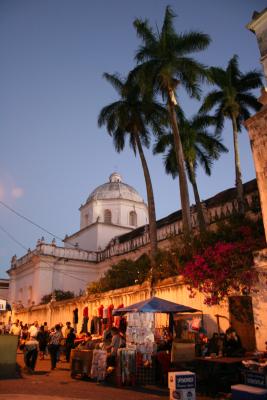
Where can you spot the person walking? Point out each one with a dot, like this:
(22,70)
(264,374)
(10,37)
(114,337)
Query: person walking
(70,343)
(42,338)
(33,329)
(31,349)
(54,345)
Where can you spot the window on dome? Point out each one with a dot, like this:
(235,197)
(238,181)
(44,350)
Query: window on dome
(133,218)
(107,217)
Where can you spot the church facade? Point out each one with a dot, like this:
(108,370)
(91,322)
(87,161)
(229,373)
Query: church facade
(111,210)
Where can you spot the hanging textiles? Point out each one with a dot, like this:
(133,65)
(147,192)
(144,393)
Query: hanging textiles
(126,367)
(117,318)
(85,325)
(85,312)
(99,365)
(75,316)
(110,316)
(100,311)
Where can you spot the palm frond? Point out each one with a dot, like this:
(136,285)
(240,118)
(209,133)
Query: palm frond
(115,80)
(233,68)
(190,42)
(218,76)
(119,140)
(251,80)
(167,27)
(162,143)
(144,31)
(248,100)
(211,100)
(170,163)
(107,111)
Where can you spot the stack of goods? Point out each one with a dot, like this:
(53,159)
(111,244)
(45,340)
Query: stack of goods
(255,373)
(255,386)
(126,366)
(99,364)
(81,362)
(182,385)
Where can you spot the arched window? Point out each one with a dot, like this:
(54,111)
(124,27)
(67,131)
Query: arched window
(133,218)
(85,220)
(30,295)
(107,217)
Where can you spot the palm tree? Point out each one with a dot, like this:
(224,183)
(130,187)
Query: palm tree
(164,62)
(233,99)
(133,115)
(200,148)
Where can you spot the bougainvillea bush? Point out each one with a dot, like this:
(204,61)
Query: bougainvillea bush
(224,266)
(216,264)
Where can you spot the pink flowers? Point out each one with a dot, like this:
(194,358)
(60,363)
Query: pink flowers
(223,268)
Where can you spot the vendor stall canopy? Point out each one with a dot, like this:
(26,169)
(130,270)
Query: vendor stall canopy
(155,305)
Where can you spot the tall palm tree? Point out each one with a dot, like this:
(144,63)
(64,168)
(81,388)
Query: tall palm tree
(233,100)
(164,61)
(132,116)
(200,148)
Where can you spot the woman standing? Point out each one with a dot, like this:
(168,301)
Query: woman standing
(54,344)
(42,338)
(30,353)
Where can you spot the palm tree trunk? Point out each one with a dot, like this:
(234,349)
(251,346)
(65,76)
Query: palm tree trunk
(238,175)
(185,203)
(151,211)
(200,215)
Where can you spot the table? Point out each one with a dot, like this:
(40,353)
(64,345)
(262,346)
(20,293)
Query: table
(217,374)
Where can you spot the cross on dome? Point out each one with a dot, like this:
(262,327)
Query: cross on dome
(115,177)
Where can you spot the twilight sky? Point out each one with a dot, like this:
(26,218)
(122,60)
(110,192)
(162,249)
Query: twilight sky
(52,154)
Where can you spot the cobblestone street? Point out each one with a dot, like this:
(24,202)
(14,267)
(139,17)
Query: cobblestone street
(58,385)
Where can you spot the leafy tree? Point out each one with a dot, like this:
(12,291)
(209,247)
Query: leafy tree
(200,148)
(59,295)
(125,273)
(164,62)
(133,116)
(233,99)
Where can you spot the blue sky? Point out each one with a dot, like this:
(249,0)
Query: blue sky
(53,55)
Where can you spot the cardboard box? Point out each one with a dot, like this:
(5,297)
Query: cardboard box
(257,379)
(181,380)
(245,392)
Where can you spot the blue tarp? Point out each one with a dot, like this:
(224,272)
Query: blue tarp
(155,305)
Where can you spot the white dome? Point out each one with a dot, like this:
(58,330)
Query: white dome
(115,189)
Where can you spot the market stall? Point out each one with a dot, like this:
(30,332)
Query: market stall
(150,342)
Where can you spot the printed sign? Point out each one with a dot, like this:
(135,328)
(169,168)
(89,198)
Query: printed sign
(185,381)
(255,379)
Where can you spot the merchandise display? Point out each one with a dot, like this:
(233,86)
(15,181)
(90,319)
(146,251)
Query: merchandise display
(140,334)
(99,365)
(126,366)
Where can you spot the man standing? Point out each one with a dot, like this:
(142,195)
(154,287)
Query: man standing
(15,329)
(33,330)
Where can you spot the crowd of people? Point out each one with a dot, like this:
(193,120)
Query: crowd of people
(38,340)
(226,344)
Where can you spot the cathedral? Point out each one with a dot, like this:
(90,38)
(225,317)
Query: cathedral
(111,210)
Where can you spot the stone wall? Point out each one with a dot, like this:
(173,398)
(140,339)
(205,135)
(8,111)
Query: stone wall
(260,299)
(171,289)
(257,128)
